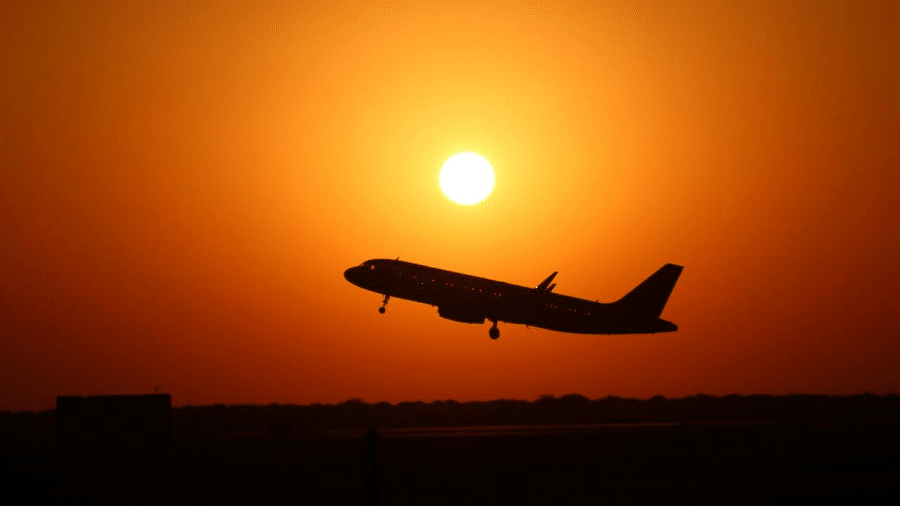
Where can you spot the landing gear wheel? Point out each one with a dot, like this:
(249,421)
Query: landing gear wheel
(494,332)
(382,310)
(384,303)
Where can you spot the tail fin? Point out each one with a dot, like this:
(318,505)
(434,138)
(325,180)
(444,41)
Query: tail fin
(650,297)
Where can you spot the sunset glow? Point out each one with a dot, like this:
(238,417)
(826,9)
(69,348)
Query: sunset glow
(183,184)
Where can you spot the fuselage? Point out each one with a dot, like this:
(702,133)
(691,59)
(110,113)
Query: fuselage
(472,299)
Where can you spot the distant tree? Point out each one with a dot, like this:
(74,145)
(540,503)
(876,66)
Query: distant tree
(574,399)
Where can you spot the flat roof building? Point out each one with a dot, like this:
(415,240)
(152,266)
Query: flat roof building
(114,422)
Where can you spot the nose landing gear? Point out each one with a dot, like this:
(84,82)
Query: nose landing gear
(494,332)
(382,309)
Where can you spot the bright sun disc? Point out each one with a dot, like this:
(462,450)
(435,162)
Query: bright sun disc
(467,178)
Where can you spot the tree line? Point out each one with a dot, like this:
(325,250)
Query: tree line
(289,419)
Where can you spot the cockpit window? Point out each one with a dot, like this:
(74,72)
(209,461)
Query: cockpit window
(369,265)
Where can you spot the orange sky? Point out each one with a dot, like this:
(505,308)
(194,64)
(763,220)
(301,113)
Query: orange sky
(183,185)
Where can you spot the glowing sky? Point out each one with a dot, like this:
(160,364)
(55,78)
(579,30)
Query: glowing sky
(183,184)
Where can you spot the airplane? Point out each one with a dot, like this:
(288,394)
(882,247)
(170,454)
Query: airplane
(471,299)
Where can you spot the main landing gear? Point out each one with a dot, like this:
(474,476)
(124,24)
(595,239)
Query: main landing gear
(494,332)
(384,303)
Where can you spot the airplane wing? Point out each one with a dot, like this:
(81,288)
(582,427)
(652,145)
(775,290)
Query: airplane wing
(545,285)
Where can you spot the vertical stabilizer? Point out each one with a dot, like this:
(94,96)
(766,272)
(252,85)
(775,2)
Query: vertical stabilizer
(650,297)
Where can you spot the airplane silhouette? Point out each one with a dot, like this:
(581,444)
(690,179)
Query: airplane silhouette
(470,299)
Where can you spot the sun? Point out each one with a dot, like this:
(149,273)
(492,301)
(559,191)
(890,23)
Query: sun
(467,178)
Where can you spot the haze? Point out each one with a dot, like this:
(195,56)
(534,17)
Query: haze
(183,186)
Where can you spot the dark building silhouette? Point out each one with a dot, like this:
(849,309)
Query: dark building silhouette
(101,423)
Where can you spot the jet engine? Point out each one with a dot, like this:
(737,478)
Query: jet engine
(462,314)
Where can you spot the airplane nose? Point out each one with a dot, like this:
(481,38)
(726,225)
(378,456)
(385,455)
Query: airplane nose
(349,274)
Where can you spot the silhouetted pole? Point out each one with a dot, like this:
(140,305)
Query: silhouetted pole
(370,469)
